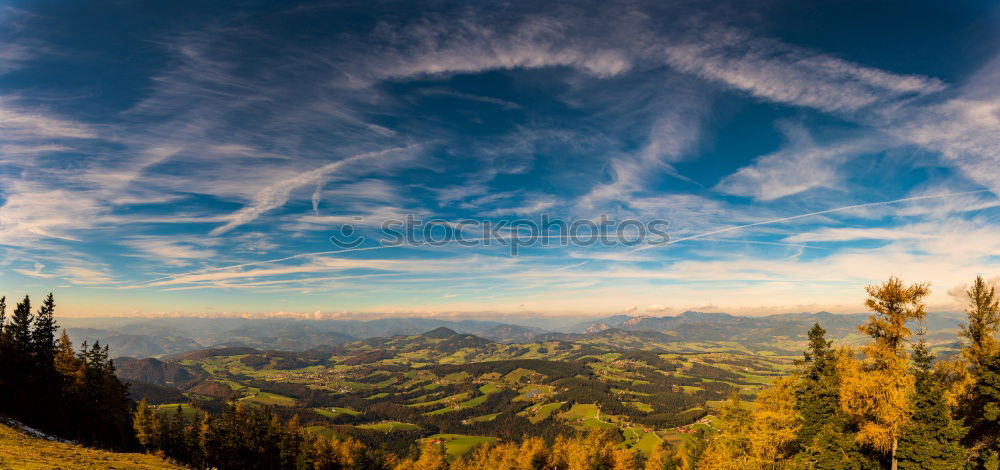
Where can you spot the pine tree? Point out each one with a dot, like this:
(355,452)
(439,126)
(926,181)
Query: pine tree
(4,354)
(43,339)
(877,392)
(931,439)
(819,393)
(987,392)
(972,374)
(984,321)
(19,365)
(19,330)
(826,440)
(3,319)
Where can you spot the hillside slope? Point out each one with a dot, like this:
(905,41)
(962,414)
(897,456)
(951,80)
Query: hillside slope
(19,450)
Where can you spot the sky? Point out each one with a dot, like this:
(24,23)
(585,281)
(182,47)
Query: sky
(195,158)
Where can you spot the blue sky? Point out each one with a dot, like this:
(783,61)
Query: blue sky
(184,158)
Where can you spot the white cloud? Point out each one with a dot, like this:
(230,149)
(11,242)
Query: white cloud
(788,74)
(802,164)
(172,251)
(32,211)
(842,234)
(277,194)
(470,46)
(20,123)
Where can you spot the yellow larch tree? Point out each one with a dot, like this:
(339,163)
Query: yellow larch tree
(877,390)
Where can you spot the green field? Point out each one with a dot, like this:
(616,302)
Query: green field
(518,375)
(581,411)
(542,412)
(484,418)
(322,431)
(641,406)
(489,388)
(334,412)
(457,444)
(269,399)
(472,402)
(647,443)
(438,383)
(389,426)
(168,410)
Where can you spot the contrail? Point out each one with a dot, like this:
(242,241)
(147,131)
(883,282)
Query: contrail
(800,216)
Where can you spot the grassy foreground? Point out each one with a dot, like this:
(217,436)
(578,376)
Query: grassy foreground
(22,451)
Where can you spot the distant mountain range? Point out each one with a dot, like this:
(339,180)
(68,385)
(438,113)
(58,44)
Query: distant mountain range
(141,338)
(713,327)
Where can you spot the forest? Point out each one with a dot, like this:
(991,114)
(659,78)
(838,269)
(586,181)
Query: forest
(886,404)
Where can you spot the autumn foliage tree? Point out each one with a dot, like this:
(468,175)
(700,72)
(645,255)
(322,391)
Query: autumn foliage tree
(877,391)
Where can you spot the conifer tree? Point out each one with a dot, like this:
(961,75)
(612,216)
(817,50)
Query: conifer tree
(4,352)
(532,454)
(3,318)
(146,425)
(19,363)
(729,448)
(931,439)
(877,392)
(66,362)
(984,321)
(662,458)
(971,376)
(432,457)
(19,330)
(987,392)
(774,424)
(43,334)
(626,458)
(819,394)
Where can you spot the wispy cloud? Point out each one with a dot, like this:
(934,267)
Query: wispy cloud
(784,73)
(802,164)
(277,194)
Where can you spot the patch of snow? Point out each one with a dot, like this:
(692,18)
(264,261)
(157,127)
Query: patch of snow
(33,432)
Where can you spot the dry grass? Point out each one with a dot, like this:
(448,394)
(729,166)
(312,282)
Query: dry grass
(24,452)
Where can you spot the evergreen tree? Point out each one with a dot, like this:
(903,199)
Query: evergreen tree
(819,394)
(3,318)
(43,339)
(987,391)
(19,363)
(984,321)
(826,439)
(19,331)
(5,356)
(931,439)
